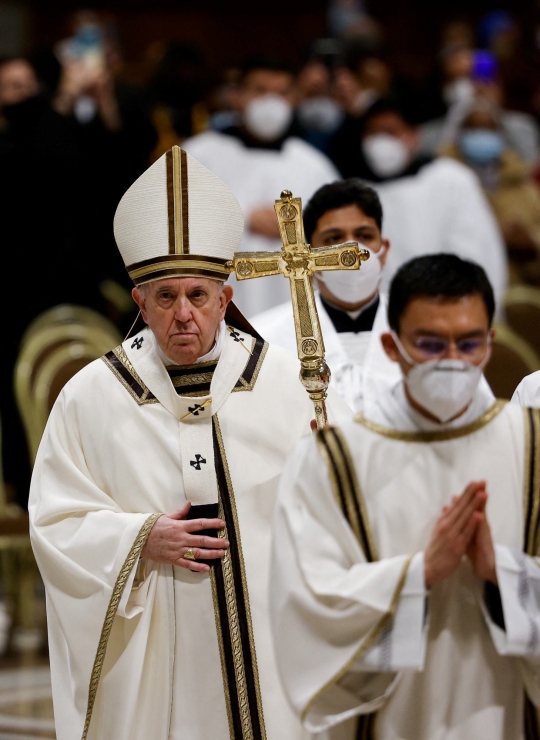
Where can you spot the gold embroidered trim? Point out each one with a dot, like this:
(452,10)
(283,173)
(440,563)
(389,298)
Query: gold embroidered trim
(233,613)
(120,354)
(219,633)
(189,265)
(116,595)
(442,435)
(368,642)
(531,492)
(251,385)
(181,381)
(346,487)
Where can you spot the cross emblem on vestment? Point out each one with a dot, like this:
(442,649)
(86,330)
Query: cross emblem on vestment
(196,410)
(137,342)
(297,261)
(199,460)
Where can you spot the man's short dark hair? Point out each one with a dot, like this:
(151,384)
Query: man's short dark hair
(340,194)
(437,276)
(268,64)
(390,104)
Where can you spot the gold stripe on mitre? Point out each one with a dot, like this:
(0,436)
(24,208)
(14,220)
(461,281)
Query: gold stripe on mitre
(177,200)
(178,265)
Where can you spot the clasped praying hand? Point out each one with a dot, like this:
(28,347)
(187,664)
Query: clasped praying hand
(461,530)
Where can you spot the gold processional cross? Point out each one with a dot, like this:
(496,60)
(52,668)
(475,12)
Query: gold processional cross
(298,261)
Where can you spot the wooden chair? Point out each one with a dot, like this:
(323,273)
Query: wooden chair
(522,306)
(54,348)
(511,360)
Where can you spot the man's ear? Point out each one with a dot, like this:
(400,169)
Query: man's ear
(225,298)
(386,246)
(390,347)
(140,301)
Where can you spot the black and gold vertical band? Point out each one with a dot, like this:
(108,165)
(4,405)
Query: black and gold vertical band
(531,501)
(531,534)
(335,452)
(366,727)
(177,200)
(233,616)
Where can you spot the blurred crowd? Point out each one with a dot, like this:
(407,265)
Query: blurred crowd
(454,158)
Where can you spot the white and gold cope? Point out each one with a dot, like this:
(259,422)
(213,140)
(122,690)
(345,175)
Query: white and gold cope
(297,261)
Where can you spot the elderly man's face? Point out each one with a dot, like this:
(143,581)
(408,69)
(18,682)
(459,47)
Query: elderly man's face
(184,314)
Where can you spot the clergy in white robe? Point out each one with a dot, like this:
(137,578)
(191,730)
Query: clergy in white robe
(369,643)
(351,309)
(147,642)
(430,205)
(257,159)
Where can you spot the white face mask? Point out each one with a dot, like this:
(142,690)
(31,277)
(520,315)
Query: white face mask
(385,154)
(268,117)
(460,90)
(353,286)
(443,387)
(321,114)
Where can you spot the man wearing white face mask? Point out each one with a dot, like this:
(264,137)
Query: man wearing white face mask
(352,312)
(405,588)
(257,159)
(430,205)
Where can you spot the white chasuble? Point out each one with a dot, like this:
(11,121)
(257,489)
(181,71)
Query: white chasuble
(363,650)
(145,650)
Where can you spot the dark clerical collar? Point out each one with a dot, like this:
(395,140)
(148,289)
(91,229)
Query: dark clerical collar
(343,323)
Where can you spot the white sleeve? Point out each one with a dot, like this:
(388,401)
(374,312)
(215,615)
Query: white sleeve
(472,231)
(403,643)
(519,587)
(522,395)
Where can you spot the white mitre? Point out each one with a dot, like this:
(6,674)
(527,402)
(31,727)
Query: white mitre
(178,220)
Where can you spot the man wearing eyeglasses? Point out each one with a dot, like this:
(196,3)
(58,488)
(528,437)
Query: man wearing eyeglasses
(405,577)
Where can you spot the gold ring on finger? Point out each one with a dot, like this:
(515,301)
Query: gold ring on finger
(188,555)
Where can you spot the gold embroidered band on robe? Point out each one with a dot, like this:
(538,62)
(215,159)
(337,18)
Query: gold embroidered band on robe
(233,615)
(531,531)
(297,262)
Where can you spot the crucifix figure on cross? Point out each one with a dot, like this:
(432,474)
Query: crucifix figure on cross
(297,261)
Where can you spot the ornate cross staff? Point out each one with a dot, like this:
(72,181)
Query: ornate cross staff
(297,261)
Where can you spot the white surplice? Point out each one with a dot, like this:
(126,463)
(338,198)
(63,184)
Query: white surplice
(143,650)
(442,209)
(362,646)
(257,177)
(360,367)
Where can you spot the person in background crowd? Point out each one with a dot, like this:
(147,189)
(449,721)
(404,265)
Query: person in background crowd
(66,155)
(469,74)
(18,81)
(257,159)
(429,205)
(318,114)
(363,75)
(475,136)
(351,310)
(177,88)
